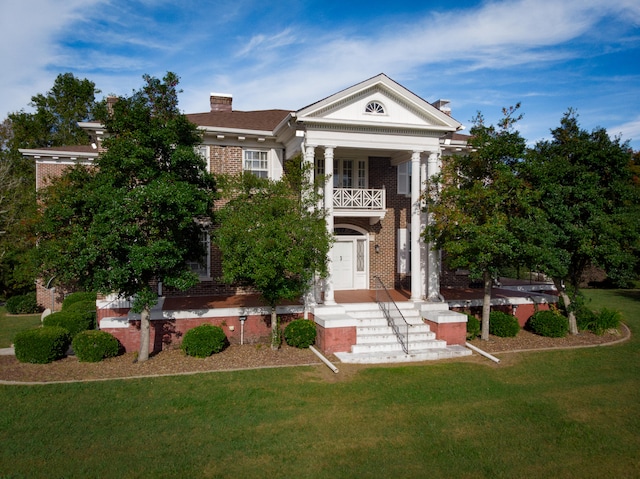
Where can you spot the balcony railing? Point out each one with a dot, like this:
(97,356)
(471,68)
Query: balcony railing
(359,199)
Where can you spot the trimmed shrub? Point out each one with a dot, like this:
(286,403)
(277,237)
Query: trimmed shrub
(23,304)
(94,346)
(549,324)
(42,345)
(606,319)
(300,333)
(473,327)
(74,322)
(80,296)
(86,308)
(503,325)
(204,340)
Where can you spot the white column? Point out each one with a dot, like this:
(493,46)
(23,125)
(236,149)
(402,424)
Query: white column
(311,298)
(424,250)
(328,205)
(433,257)
(416,283)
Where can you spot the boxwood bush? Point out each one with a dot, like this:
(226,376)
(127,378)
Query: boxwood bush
(80,296)
(42,345)
(93,346)
(473,327)
(85,308)
(300,333)
(503,325)
(549,324)
(23,304)
(204,340)
(72,321)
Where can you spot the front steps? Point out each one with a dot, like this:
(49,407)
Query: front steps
(376,342)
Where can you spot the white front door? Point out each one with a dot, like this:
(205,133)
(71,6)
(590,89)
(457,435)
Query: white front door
(349,261)
(342,264)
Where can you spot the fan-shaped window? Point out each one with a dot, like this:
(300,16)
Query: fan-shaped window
(375,108)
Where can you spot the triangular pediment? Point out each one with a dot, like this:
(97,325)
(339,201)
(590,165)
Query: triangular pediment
(379,102)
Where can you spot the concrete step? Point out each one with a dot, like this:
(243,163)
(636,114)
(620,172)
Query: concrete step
(390,337)
(381,357)
(394,345)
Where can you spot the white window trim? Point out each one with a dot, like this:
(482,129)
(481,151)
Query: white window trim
(404,250)
(404,178)
(267,155)
(205,152)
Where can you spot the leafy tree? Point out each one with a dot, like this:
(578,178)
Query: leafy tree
(588,206)
(271,236)
(53,123)
(472,203)
(137,217)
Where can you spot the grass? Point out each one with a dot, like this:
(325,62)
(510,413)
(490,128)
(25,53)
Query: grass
(10,325)
(560,414)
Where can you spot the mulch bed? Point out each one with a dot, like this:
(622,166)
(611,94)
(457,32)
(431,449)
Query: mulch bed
(250,356)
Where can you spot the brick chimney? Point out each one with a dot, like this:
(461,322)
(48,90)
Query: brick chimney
(221,101)
(443,106)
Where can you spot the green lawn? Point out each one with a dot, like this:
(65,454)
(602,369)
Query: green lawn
(10,325)
(559,414)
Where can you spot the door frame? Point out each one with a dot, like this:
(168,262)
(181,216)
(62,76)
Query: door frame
(360,278)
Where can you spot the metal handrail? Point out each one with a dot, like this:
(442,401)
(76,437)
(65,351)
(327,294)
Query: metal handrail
(395,318)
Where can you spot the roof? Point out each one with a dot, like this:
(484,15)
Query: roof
(263,120)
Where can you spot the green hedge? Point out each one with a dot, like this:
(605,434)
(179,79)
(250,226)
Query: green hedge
(503,325)
(72,321)
(42,345)
(204,340)
(23,304)
(300,333)
(94,346)
(473,327)
(78,297)
(85,308)
(549,324)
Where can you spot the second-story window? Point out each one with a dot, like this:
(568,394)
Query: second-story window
(257,162)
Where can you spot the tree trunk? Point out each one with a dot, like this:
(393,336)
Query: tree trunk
(145,329)
(275,342)
(571,315)
(486,306)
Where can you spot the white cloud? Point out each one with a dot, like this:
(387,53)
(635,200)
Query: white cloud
(629,130)
(28,44)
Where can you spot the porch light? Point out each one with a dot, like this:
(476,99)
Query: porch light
(377,248)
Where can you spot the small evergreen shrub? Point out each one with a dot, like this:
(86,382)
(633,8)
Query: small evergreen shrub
(549,324)
(300,333)
(473,327)
(80,296)
(93,346)
(85,308)
(606,319)
(42,345)
(72,321)
(503,325)
(23,304)
(204,340)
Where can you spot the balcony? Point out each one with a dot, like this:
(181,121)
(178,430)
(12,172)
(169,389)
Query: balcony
(360,202)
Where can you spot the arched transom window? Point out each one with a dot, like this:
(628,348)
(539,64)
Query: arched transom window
(375,107)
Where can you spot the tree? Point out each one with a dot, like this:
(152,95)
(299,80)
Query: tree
(471,204)
(588,205)
(271,236)
(53,123)
(138,216)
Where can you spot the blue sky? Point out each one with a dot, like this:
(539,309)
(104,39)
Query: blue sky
(482,55)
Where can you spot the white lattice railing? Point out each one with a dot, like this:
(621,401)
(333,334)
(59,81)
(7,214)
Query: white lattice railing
(359,199)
